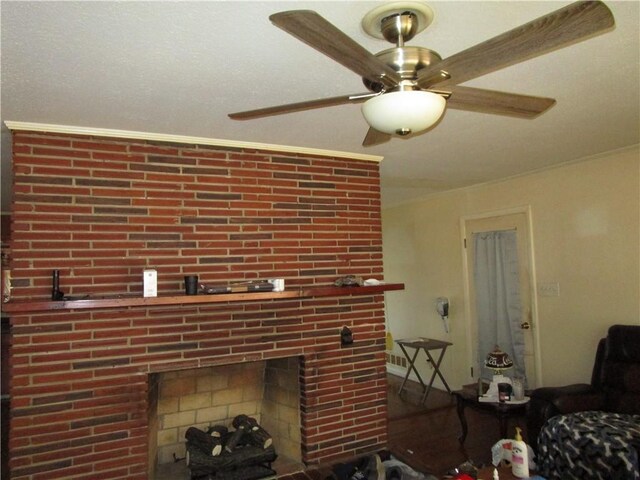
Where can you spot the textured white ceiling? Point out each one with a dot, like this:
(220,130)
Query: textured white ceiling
(180,67)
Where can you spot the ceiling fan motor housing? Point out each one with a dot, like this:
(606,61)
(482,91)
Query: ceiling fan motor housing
(407,61)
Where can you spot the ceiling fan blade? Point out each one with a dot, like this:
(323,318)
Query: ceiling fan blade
(300,106)
(374,137)
(499,103)
(315,31)
(558,29)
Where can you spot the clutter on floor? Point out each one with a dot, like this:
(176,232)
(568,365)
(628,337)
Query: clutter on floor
(381,466)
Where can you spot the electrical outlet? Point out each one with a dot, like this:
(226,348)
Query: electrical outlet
(550,289)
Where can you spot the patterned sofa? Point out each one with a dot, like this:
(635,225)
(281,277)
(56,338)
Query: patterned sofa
(590,445)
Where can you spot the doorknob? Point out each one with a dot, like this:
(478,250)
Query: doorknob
(525,326)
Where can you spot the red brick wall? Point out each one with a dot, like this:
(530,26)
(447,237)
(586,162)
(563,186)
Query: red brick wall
(101,210)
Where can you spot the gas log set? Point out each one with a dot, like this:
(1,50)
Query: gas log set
(245,453)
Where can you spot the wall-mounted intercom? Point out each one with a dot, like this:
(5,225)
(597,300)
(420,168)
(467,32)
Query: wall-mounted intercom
(442,306)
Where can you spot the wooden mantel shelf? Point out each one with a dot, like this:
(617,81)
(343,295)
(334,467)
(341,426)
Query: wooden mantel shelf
(28,306)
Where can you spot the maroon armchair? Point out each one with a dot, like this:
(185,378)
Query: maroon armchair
(614,387)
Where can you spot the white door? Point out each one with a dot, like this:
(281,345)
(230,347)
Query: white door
(518,222)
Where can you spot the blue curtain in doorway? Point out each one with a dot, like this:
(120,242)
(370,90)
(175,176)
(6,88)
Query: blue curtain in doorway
(498,304)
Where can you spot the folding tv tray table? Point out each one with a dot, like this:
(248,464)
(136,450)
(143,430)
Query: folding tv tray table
(426,344)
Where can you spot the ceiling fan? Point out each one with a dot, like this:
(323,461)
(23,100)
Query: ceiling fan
(409,87)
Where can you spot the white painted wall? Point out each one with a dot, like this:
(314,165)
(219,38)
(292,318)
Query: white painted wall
(586,234)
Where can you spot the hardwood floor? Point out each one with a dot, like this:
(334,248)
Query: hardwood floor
(426,437)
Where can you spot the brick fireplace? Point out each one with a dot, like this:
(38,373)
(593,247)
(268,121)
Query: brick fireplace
(101,208)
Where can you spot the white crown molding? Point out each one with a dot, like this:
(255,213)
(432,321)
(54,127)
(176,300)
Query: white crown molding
(162,137)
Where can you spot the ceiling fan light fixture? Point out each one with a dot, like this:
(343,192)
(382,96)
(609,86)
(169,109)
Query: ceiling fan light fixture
(403,112)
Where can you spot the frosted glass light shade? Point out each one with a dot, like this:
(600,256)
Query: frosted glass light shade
(403,112)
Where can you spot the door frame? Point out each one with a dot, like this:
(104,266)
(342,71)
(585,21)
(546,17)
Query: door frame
(526,210)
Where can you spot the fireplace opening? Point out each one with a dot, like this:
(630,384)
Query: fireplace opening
(202,398)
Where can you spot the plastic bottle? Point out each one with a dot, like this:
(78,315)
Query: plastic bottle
(519,457)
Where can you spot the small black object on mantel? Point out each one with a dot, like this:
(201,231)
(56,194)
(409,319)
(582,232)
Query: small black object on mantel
(191,284)
(56,293)
(238,287)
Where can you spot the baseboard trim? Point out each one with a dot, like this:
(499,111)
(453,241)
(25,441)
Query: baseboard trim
(400,372)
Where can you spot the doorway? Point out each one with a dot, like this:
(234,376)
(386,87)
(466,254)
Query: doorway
(515,226)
